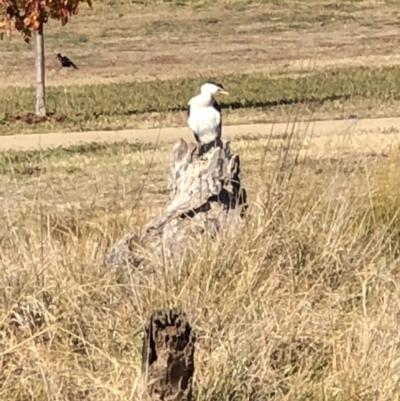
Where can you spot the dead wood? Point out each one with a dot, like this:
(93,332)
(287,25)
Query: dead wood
(205,196)
(168,357)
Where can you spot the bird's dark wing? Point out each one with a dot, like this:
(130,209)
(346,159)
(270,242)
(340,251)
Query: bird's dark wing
(216,106)
(194,133)
(66,62)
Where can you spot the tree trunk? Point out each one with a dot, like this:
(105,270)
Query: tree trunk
(206,196)
(168,357)
(40,109)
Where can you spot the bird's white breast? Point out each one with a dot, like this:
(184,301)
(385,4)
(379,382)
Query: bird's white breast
(204,121)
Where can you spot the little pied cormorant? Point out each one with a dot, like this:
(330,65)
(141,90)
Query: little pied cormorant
(204,115)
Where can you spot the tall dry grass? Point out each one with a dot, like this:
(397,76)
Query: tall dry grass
(301,304)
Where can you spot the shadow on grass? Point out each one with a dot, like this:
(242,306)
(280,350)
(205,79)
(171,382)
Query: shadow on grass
(252,104)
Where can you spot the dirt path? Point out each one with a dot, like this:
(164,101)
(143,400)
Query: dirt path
(379,128)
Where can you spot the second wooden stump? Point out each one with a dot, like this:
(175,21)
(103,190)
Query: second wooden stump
(168,357)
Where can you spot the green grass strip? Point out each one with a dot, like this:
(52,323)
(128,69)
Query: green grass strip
(256,90)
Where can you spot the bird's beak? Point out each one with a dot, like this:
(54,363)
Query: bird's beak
(223,92)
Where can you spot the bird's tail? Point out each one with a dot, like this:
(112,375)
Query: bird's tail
(73,65)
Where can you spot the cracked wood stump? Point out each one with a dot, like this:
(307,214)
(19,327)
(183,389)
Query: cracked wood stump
(206,197)
(168,357)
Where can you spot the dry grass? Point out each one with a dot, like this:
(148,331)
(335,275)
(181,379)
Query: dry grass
(300,305)
(125,40)
(130,53)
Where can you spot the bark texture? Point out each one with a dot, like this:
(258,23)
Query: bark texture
(168,357)
(40,109)
(205,197)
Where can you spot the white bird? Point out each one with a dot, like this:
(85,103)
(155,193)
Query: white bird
(204,115)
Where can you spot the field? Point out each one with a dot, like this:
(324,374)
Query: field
(141,61)
(301,304)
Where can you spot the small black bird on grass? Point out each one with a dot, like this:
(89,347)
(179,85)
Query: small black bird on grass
(66,62)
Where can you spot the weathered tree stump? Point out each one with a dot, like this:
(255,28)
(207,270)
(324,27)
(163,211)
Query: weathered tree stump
(206,196)
(168,357)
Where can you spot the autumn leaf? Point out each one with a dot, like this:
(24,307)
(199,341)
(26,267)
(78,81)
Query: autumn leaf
(26,15)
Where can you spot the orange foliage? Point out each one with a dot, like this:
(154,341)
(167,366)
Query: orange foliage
(26,16)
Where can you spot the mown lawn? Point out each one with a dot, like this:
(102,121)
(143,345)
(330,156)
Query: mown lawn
(265,97)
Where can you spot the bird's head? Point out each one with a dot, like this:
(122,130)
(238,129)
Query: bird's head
(58,55)
(213,89)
